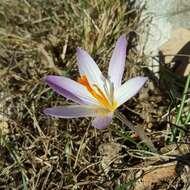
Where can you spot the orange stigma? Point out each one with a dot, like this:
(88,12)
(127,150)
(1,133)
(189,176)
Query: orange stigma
(97,93)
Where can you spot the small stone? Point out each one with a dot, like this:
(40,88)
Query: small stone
(177,50)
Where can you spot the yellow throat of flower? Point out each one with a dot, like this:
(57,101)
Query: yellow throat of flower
(97,93)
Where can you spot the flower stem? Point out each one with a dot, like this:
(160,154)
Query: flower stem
(137,130)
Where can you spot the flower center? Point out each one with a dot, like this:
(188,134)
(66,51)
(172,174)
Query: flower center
(96,92)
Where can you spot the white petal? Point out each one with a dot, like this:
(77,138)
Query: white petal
(101,122)
(129,89)
(70,89)
(88,67)
(72,111)
(117,62)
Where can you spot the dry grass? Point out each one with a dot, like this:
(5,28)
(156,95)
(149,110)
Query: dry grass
(38,38)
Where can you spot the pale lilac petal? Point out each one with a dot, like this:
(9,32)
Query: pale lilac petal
(70,89)
(117,62)
(101,122)
(129,89)
(72,111)
(88,67)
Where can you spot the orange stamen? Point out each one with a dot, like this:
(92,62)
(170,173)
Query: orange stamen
(98,94)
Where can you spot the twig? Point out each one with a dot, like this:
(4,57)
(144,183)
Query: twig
(137,129)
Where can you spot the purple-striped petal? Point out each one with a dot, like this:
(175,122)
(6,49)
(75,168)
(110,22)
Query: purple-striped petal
(117,62)
(129,89)
(101,122)
(72,111)
(88,67)
(70,89)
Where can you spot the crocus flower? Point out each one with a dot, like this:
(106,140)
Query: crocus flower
(95,96)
